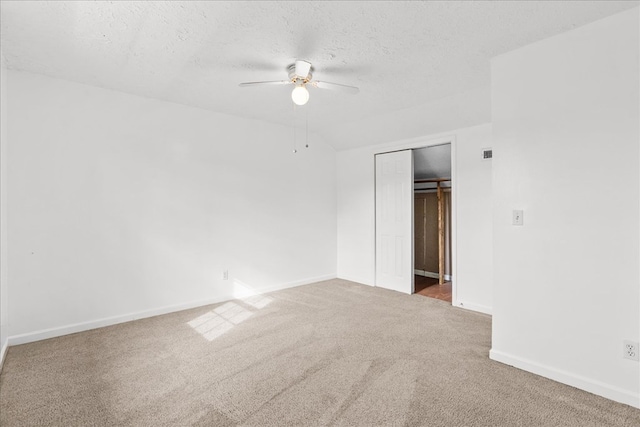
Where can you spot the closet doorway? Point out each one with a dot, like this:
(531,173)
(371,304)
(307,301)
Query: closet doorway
(432,221)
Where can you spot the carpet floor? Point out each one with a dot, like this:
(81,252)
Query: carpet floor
(330,353)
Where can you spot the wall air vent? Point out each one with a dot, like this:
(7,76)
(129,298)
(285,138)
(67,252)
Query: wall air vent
(487,154)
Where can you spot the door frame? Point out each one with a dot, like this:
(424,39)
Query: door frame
(412,144)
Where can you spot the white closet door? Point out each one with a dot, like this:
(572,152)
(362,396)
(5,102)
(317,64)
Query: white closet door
(394,221)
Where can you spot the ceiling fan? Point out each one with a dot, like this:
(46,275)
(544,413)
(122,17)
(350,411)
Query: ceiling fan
(300,75)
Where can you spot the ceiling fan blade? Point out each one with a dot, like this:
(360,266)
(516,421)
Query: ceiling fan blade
(302,68)
(335,86)
(275,82)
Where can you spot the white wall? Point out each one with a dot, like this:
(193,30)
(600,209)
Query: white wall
(566,150)
(472,191)
(4,310)
(461,110)
(120,204)
(474,285)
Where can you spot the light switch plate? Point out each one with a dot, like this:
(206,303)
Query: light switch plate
(518,218)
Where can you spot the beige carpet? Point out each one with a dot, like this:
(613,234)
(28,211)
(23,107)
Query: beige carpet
(331,353)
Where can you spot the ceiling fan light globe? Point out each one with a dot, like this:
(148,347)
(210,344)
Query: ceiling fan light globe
(300,95)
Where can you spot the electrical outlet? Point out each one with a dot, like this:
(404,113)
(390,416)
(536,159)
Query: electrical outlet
(630,350)
(225,275)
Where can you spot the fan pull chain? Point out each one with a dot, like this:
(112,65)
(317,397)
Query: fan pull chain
(295,129)
(295,149)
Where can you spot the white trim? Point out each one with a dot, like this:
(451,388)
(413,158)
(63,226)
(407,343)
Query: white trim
(295,283)
(638,17)
(430,274)
(411,143)
(3,353)
(564,377)
(108,321)
(4,254)
(454,220)
(360,281)
(474,307)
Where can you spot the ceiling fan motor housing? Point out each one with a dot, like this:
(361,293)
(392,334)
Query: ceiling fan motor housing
(291,69)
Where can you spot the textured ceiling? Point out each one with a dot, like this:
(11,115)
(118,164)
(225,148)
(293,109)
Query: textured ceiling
(428,61)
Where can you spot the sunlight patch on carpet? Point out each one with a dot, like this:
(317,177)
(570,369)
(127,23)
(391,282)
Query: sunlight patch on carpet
(220,320)
(258,301)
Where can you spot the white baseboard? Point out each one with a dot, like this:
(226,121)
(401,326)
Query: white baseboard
(108,321)
(564,377)
(359,280)
(474,307)
(431,274)
(3,353)
(307,281)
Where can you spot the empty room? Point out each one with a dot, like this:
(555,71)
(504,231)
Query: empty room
(364,213)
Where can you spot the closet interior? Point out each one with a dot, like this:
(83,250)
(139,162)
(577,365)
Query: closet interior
(432,221)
